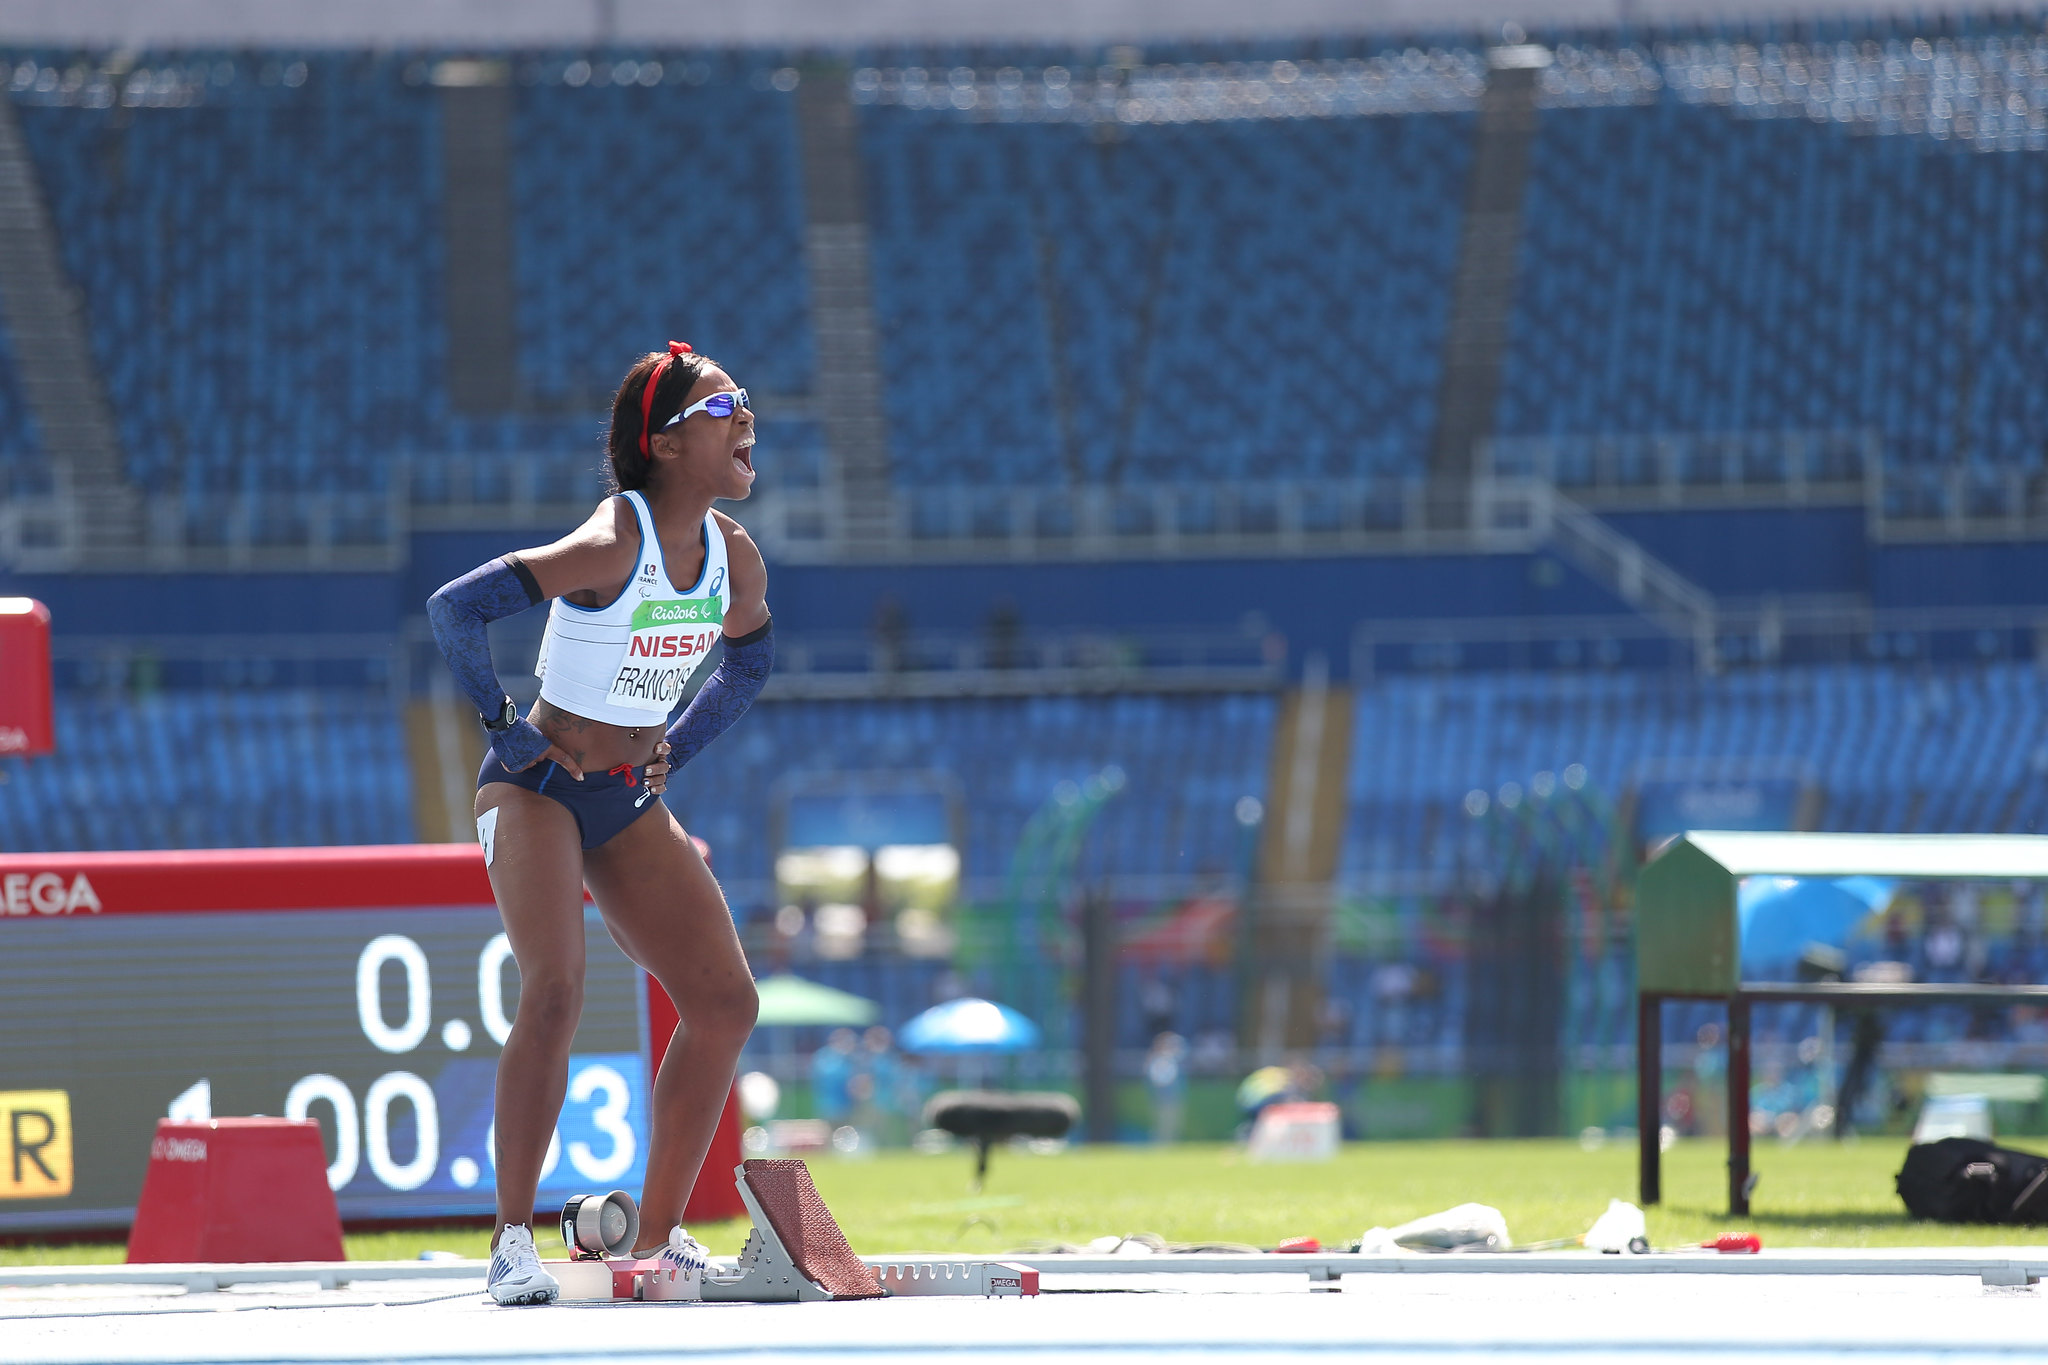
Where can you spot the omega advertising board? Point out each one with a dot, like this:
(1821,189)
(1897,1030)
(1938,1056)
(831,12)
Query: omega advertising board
(369,989)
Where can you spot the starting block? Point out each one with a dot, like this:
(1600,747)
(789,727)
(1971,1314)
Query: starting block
(989,1279)
(795,1253)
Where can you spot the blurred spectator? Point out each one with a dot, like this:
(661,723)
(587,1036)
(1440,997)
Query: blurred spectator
(1005,635)
(832,1077)
(1298,1080)
(892,635)
(886,1117)
(1155,999)
(1166,1076)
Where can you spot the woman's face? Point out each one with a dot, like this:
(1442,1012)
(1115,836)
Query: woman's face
(713,454)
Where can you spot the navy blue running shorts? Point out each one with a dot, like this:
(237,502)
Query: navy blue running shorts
(603,803)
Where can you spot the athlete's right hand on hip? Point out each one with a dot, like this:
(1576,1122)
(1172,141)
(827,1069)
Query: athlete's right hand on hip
(522,745)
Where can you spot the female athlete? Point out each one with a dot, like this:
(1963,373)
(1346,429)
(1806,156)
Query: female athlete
(567,794)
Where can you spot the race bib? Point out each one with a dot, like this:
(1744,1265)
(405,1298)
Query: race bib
(665,644)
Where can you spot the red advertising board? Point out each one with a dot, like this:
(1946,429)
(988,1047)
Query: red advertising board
(27,721)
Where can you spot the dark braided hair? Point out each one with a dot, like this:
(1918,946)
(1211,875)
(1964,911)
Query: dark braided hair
(630,464)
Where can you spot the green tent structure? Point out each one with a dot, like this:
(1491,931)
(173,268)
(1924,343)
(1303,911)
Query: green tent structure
(1688,947)
(789,999)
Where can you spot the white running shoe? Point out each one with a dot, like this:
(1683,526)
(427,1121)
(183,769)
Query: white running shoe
(516,1274)
(678,1271)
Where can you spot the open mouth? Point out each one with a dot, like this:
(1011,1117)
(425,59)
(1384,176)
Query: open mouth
(743,455)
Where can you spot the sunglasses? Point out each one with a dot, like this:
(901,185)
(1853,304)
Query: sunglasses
(718,405)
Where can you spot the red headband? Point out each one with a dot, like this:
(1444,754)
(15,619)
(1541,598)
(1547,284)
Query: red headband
(675,348)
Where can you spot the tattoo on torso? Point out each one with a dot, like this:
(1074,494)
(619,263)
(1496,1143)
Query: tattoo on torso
(580,737)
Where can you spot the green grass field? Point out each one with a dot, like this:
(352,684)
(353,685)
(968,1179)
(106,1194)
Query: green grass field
(1809,1196)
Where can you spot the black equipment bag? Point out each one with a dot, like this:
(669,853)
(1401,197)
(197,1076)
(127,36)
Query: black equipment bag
(1967,1180)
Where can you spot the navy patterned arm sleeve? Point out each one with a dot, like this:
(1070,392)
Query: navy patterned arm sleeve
(459,612)
(725,697)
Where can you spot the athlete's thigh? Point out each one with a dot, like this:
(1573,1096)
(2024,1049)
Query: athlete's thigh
(665,910)
(536,867)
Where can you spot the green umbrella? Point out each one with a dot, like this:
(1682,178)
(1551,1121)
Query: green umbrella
(789,999)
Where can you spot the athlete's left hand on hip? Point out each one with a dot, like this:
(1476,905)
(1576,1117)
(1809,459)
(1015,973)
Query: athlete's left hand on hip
(656,772)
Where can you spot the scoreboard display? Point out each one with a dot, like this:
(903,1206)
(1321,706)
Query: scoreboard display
(369,989)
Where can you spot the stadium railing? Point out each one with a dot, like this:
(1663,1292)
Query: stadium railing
(1903,500)
(1541,490)
(1681,469)
(281,530)
(142,664)
(851,665)
(1790,631)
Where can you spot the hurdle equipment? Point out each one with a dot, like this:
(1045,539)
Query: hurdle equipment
(236,1189)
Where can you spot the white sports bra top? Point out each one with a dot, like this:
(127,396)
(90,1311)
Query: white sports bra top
(626,663)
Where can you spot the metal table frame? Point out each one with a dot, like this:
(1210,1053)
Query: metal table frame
(1841,994)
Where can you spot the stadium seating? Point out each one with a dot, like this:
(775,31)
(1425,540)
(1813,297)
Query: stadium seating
(652,200)
(1200,302)
(1714,243)
(230,768)
(260,244)
(1773,267)
(1173,816)
(259,260)
(1186,761)
(245,768)
(23,469)
(1943,765)
(1891,749)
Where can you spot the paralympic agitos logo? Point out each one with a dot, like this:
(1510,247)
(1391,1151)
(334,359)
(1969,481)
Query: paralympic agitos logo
(47,893)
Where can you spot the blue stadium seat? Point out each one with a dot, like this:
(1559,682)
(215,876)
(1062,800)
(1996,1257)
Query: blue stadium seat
(214,769)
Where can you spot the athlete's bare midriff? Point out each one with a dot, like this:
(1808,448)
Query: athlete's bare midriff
(596,746)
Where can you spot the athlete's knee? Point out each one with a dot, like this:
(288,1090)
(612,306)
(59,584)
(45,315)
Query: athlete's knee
(724,1014)
(746,1008)
(551,1002)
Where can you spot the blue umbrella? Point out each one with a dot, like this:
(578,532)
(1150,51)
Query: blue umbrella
(1779,916)
(969,1025)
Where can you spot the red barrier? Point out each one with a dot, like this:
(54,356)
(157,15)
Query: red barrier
(369,877)
(27,717)
(236,1190)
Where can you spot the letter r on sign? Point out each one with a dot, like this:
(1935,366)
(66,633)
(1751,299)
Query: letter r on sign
(36,1128)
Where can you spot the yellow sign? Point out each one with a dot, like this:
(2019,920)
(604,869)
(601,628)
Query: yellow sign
(35,1144)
